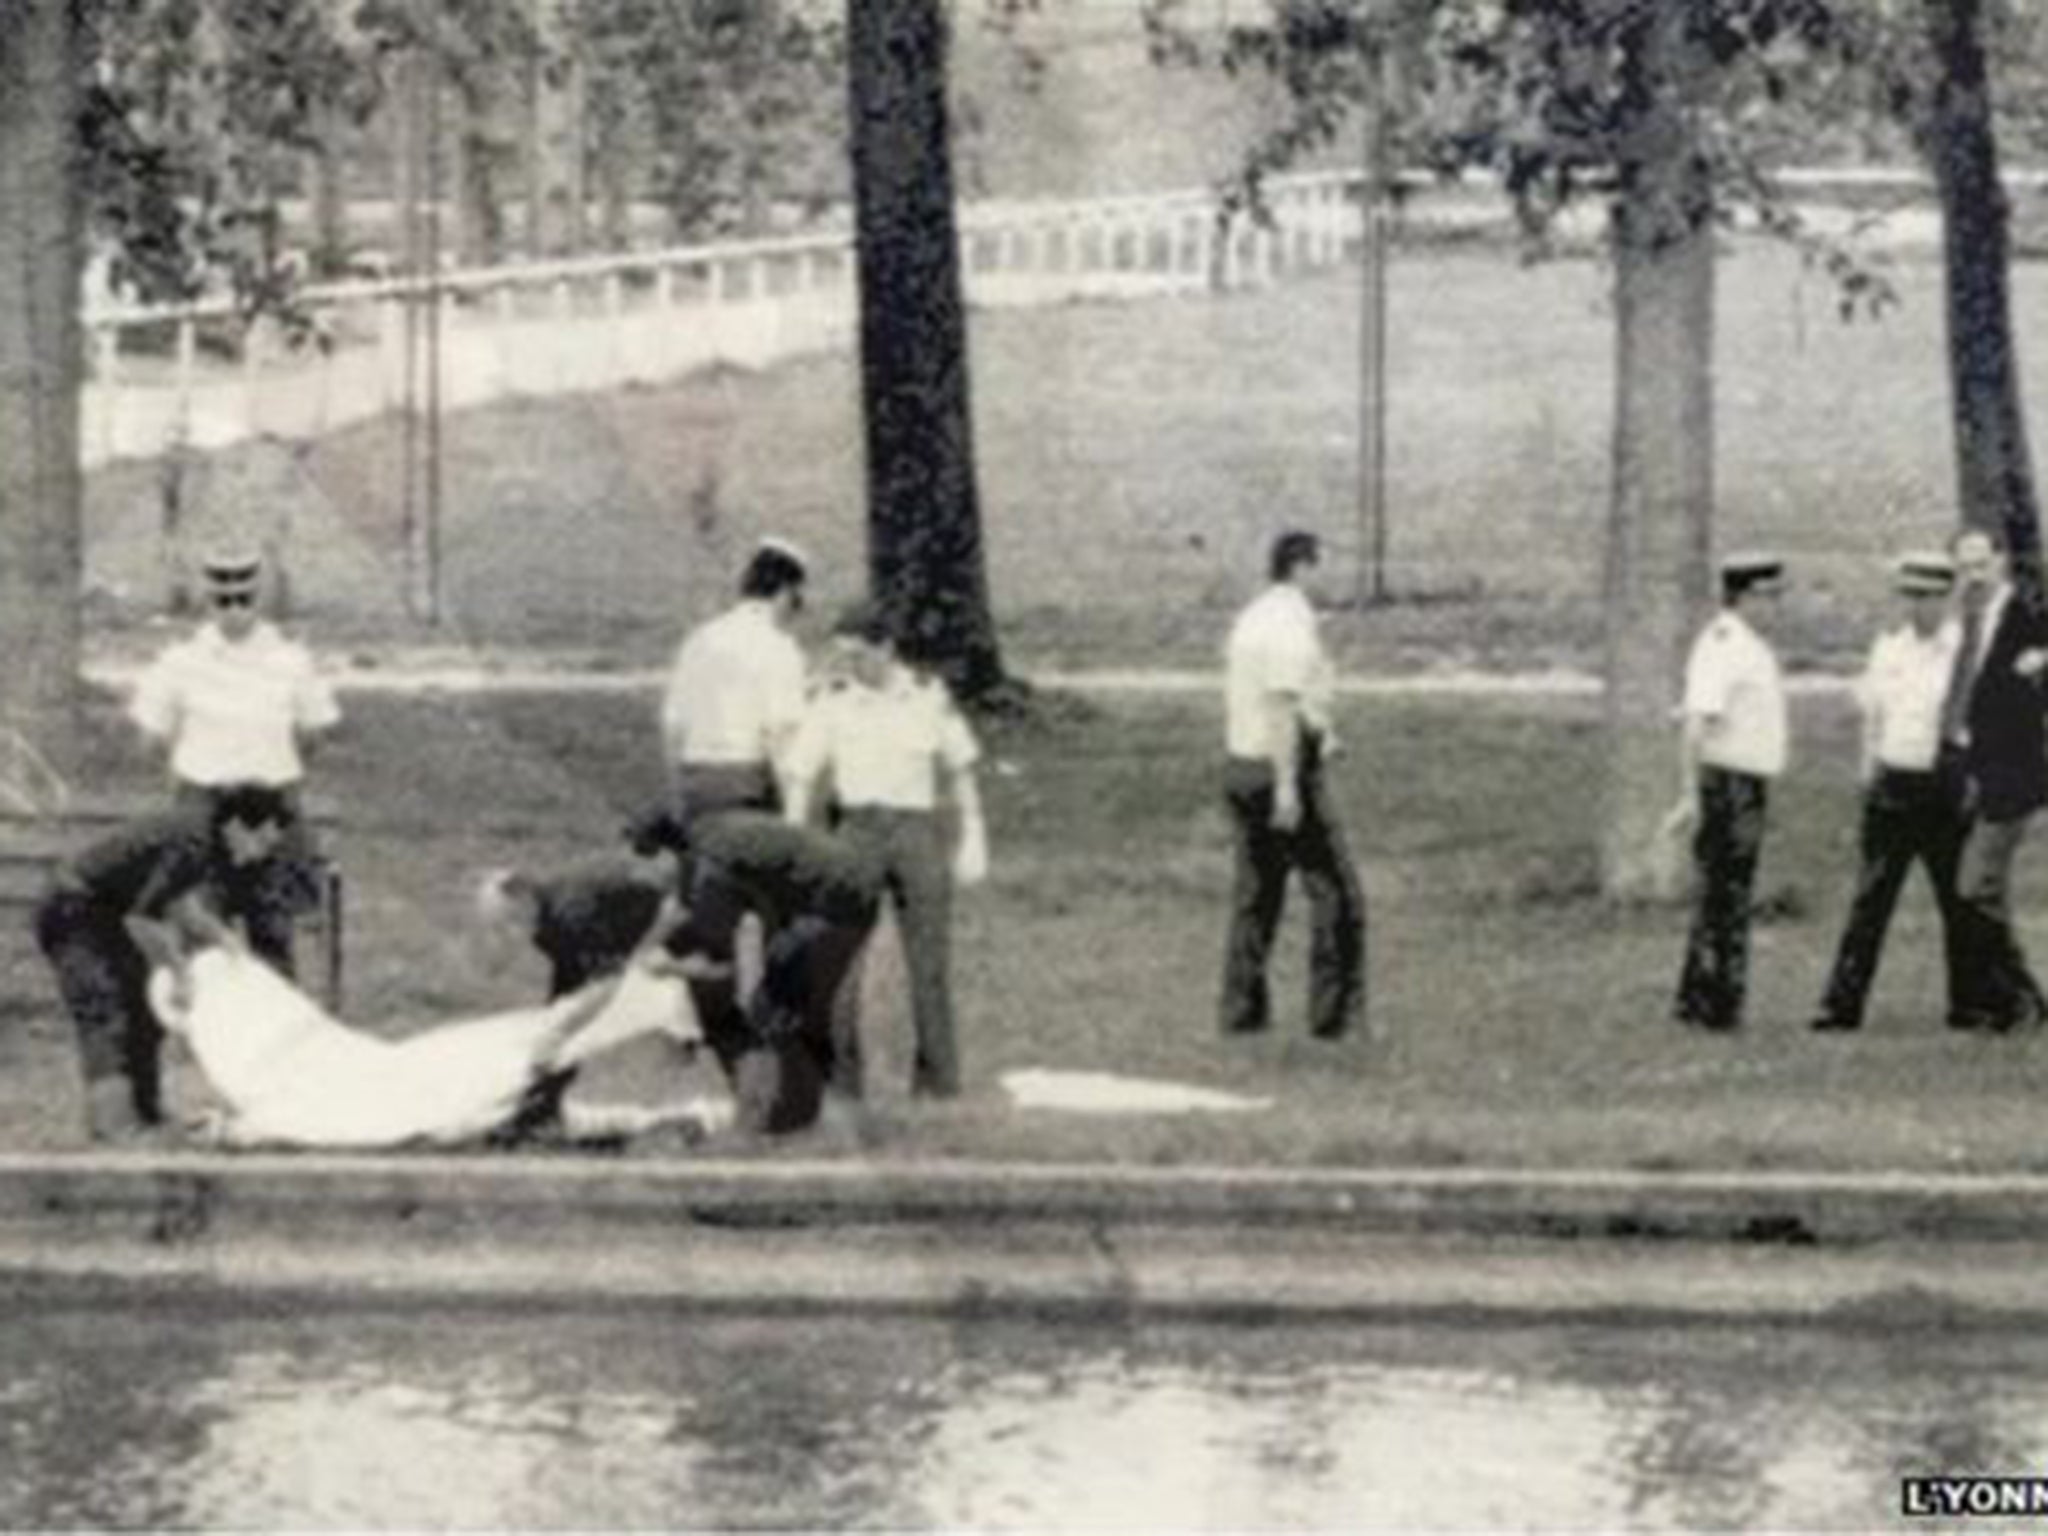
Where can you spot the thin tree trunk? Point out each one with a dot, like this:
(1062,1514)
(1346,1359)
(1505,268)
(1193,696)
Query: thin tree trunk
(330,194)
(1994,469)
(1661,508)
(926,564)
(41,257)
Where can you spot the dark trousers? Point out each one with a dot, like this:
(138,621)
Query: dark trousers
(702,792)
(909,849)
(796,1043)
(103,978)
(1999,991)
(269,899)
(1265,857)
(1725,849)
(1908,818)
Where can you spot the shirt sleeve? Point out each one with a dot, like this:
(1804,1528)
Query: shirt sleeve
(178,870)
(958,749)
(1289,659)
(1709,677)
(782,708)
(811,748)
(675,703)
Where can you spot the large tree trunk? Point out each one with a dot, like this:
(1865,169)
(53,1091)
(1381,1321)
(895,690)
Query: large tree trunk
(1661,508)
(925,560)
(41,253)
(1994,470)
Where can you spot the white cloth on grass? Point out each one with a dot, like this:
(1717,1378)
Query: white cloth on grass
(1111,1093)
(289,1073)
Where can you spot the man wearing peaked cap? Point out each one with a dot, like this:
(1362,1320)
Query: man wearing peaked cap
(235,704)
(1910,811)
(1737,736)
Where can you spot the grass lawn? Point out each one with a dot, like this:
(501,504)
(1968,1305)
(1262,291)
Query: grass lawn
(1514,1019)
(1134,460)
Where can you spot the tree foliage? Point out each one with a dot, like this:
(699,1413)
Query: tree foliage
(1536,93)
(736,104)
(192,114)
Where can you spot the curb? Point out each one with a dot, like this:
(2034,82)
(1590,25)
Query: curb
(965,1237)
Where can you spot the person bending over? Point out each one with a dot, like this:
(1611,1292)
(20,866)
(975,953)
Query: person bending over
(817,898)
(156,869)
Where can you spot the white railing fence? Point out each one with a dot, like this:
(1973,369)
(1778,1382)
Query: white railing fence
(196,376)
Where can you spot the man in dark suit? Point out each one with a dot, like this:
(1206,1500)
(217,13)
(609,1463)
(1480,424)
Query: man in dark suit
(1995,748)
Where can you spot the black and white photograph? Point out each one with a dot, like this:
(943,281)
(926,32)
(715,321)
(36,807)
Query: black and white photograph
(1042,765)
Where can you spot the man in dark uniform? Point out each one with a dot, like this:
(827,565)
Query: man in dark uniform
(1736,740)
(817,898)
(1995,745)
(587,921)
(162,868)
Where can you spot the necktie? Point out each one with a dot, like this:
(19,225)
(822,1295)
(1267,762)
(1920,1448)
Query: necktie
(1955,704)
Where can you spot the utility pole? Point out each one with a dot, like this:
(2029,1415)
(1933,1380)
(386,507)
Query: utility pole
(1374,191)
(430,541)
(410,124)
(420,213)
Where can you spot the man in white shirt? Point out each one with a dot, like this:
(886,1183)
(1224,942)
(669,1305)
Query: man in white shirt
(1277,688)
(735,697)
(736,691)
(1910,811)
(893,746)
(237,704)
(1735,741)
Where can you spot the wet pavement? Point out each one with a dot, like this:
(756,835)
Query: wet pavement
(240,1414)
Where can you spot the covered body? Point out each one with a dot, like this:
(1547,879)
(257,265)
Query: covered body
(289,1073)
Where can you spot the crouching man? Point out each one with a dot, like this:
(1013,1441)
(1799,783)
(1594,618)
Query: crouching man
(162,868)
(587,922)
(817,898)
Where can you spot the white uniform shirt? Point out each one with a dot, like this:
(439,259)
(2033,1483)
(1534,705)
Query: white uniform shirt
(1901,693)
(232,709)
(1734,689)
(885,746)
(1274,648)
(737,682)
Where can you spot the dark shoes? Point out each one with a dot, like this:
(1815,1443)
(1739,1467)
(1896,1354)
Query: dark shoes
(1834,1024)
(2024,1019)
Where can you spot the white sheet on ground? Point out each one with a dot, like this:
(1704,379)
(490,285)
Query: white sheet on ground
(1111,1093)
(288,1072)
